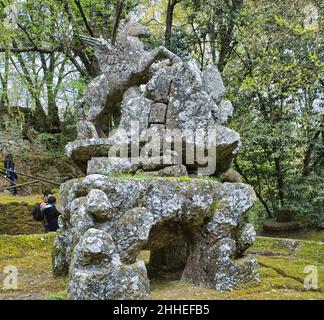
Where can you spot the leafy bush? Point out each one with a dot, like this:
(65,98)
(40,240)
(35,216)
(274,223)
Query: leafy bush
(307,198)
(12,131)
(55,142)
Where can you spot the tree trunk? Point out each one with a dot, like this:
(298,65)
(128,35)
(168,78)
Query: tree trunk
(4,102)
(258,194)
(106,20)
(280,180)
(168,23)
(308,153)
(119,9)
(227,32)
(39,119)
(53,117)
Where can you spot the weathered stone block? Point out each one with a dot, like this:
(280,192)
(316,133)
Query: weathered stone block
(111,165)
(177,170)
(158,113)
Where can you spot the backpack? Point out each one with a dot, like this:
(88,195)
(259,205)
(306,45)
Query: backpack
(37,213)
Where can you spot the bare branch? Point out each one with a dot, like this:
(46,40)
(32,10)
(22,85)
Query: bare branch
(31,49)
(84,18)
(119,9)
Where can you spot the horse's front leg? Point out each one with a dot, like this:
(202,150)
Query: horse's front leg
(157,53)
(168,54)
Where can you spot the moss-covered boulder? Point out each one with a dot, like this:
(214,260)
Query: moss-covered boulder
(150,214)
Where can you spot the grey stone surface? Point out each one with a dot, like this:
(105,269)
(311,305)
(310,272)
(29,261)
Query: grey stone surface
(156,163)
(108,218)
(231,175)
(124,64)
(179,96)
(177,170)
(159,85)
(246,237)
(223,112)
(99,274)
(86,130)
(83,150)
(158,113)
(98,205)
(111,165)
(143,214)
(136,109)
(213,83)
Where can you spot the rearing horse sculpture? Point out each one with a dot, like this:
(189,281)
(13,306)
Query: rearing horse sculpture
(122,65)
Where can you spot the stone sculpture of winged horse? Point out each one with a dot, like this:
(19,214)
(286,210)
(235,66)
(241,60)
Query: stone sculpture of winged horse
(122,65)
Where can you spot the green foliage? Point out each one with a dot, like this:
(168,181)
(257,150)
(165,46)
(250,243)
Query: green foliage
(271,62)
(306,196)
(52,65)
(10,130)
(53,143)
(275,86)
(256,215)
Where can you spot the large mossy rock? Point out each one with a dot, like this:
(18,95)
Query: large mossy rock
(173,124)
(107,221)
(177,97)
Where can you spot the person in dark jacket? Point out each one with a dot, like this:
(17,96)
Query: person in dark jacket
(51,215)
(10,172)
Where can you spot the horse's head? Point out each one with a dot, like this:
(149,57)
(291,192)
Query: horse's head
(135,29)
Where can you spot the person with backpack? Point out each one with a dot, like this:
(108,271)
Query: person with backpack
(10,172)
(51,215)
(40,206)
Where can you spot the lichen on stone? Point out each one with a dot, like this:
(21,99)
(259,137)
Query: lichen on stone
(153,202)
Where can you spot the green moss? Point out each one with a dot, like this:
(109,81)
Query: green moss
(16,215)
(17,246)
(32,256)
(28,200)
(16,218)
(269,246)
(144,256)
(57,296)
(137,175)
(293,268)
(183,178)
(214,206)
(313,250)
(142,175)
(310,235)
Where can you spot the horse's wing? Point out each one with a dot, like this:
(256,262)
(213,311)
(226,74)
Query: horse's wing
(101,47)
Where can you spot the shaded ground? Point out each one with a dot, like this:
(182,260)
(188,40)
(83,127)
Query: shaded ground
(282,264)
